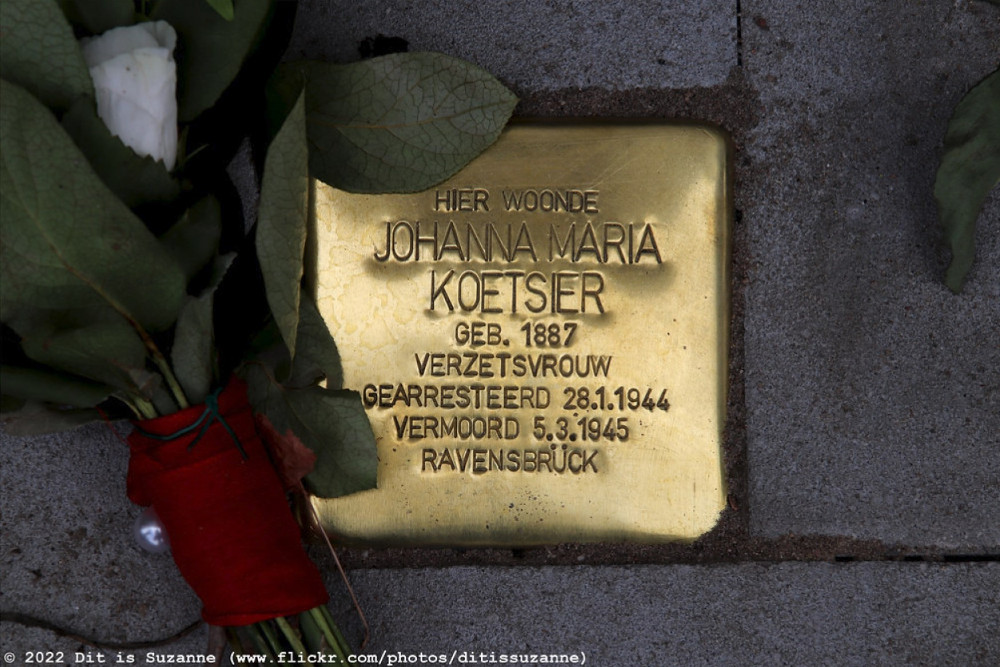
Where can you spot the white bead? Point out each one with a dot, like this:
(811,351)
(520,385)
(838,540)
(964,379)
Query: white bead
(149,533)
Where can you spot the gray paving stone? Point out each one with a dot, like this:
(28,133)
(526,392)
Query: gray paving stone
(540,45)
(873,393)
(62,651)
(747,614)
(67,554)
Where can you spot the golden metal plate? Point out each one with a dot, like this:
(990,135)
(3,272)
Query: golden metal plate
(540,341)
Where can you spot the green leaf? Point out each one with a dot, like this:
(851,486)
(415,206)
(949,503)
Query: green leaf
(97,16)
(160,397)
(211,50)
(223,7)
(194,239)
(107,352)
(193,354)
(399,123)
(290,457)
(970,167)
(37,418)
(331,423)
(133,178)
(316,360)
(71,252)
(51,387)
(282,222)
(281,93)
(316,357)
(39,52)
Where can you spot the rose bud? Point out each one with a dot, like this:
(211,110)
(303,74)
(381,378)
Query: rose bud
(135,78)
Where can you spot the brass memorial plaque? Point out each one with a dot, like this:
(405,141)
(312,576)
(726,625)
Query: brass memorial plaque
(540,341)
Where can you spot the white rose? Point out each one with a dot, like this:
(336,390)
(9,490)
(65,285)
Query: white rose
(135,79)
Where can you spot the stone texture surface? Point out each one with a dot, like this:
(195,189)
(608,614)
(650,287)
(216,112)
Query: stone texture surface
(873,393)
(67,553)
(763,614)
(540,45)
(67,651)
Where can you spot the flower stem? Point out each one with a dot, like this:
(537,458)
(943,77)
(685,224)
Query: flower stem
(292,638)
(345,647)
(168,375)
(161,363)
(144,407)
(331,632)
(233,637)
(258,639)
(272,638)
(312,634)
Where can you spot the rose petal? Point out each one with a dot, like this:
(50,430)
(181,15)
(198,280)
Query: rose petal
(135,79)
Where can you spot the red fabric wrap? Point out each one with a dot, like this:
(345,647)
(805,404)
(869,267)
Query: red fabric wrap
(231,531)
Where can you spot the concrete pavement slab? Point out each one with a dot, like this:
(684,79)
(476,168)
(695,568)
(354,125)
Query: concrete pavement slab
(873,393)
(540,45)
(745,614)
(67,554)
(47,648)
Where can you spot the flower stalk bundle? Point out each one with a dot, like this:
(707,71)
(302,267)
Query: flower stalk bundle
(130,287)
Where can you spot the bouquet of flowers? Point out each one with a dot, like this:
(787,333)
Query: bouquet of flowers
(132,287)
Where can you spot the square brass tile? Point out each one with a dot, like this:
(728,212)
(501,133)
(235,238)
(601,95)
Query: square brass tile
(541,341)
